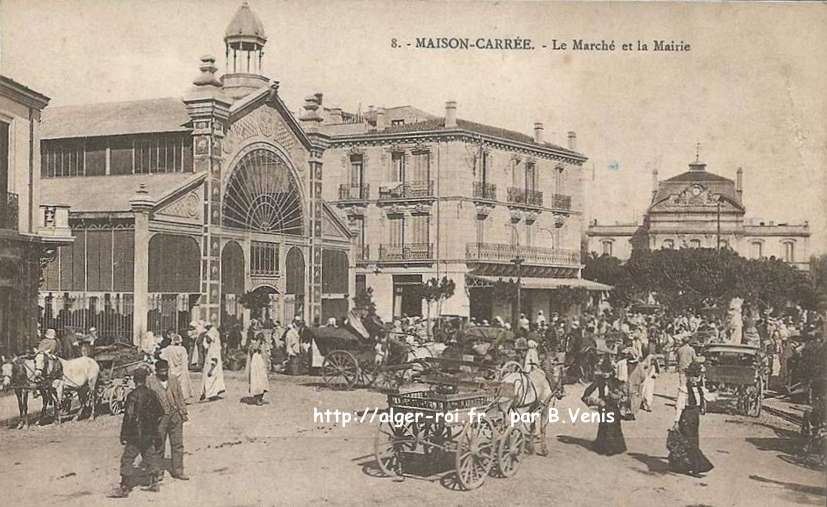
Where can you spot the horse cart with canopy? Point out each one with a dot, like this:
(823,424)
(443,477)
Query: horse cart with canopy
(457,414)
(739,371)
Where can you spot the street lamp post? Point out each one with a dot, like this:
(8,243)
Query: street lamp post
(517,261)
(718,235)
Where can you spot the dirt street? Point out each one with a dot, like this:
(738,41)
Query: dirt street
(239,454)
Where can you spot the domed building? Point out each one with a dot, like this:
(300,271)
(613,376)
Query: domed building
(699,209)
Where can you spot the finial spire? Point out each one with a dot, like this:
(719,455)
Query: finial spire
(698,151)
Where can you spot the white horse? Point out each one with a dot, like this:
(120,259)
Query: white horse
(532,394)
(80,374)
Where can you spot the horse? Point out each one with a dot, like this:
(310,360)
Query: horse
(80,374)
(19,374)
(532,394)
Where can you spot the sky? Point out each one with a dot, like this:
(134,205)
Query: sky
(751,90)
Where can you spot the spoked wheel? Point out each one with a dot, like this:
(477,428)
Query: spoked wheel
(475,453)
(390,444)
(435,433)
(755,395)
(116,400)
(340,370)
(368,372)
(65,404)
(509,451)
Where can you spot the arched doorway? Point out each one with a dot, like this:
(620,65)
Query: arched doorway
(232,283)
(294,297)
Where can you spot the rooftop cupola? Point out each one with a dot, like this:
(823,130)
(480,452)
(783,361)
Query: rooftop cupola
(244,42)
(697,165)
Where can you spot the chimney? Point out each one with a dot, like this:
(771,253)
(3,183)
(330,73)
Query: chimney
(318,96)
(654,182)
(208,69)
(380,118)
(739,183)
(538,133)
(451,114)
(572,140)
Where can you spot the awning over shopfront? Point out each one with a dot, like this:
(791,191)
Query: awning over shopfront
(543,283)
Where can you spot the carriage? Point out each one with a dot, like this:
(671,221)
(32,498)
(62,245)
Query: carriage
(486,345)
(117,363)
(459,414)
(737,370)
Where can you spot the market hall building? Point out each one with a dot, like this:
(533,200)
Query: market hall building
(181,206)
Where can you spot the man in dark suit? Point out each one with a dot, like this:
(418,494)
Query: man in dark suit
(139,435)
(171,425)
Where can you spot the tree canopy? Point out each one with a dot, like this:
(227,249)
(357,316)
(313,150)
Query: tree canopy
(694,277)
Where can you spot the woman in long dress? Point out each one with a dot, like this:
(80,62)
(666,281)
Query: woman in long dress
(257,370)
(649,384)
(177,357)
(212,377)
(687,457)
(609,391)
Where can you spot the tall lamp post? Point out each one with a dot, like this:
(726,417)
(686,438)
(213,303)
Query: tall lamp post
(718,235)
(517,261)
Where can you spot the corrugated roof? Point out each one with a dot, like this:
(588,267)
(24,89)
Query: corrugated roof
(167,114)
(109,193)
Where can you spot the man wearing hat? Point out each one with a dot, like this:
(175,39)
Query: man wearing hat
(686,356)
(171,426)
(139,435)
(49,342)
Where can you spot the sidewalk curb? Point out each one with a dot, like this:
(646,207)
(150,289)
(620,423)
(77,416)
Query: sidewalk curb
(787,415)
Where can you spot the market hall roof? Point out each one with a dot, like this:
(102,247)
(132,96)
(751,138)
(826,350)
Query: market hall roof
(167,114)
(112,193)
(246,25)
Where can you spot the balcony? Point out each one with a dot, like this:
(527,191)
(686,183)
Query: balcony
(407,252)
(8,211)
(485,191)
(354,192)
(504,253)
(525,197)
(407,190)
(561,201)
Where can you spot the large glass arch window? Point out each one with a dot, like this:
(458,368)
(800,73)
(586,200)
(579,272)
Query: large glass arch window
(262,195)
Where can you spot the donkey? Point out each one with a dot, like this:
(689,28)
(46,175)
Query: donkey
(19,374)
(79,374)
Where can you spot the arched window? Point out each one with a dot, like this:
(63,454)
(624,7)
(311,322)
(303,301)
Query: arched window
(174,264)
(756,249)
(232,269)
(262,195)
(789,251)
(607,246)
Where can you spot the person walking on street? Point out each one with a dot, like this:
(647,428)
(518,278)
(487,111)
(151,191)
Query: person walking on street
(606,394)
(685,454)
(139,435)
(292,345)
(176,356)
(212,378)
(171,426)
(686,356)
(257,380)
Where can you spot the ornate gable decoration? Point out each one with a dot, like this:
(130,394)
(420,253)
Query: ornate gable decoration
(262,122)
(187,207)
(693,196)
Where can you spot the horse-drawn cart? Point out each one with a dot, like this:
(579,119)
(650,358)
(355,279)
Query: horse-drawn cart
(117,362)
(738,370)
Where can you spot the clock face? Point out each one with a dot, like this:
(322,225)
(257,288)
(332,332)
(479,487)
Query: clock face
(696,191)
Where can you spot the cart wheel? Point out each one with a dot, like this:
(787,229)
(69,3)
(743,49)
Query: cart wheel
(340,370)
(66,403)
(368,372)
(116,400)
(509,450)
(475,453)
(438,434)
(390,443)
(754,399)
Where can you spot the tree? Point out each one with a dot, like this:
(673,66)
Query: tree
(437,291)
(255,300)
(611,271)
(818,282)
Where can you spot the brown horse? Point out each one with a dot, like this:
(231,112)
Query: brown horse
(19,374)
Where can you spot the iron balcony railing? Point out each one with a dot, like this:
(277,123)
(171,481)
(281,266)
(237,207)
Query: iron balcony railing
(487,191)
(518,195)
(407,190)
(406,252)
(505,253)
(561,201)
(8,211)
(349,192)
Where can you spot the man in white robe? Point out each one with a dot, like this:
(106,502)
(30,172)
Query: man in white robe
(212,377)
